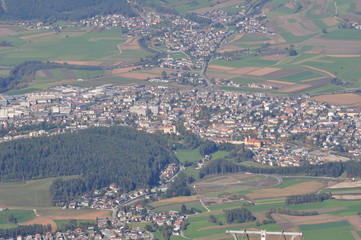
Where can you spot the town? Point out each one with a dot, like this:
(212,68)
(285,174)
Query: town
(279,130)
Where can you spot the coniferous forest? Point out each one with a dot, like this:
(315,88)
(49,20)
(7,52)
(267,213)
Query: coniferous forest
(101,156)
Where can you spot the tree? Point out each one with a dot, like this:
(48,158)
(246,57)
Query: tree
(148,228)
(183,208)
(292,52)
(179,187)
(208,147)
(164,74)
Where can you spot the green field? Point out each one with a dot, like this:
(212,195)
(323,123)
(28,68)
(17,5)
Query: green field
(328,231)
(247,61)
(245,80)
(191,171)
(30,194)
(74,46)
(219,154)
(253,38)
(177,206)
(189,155)
(185,6)
(81,45)
(19,215)
(178,55)
(43,82)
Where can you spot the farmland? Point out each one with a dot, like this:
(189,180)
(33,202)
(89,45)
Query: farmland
(80,47)
(26,199)
(336,217)
(29,194)
(323,51)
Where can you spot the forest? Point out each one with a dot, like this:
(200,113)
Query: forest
(62,10)
(100,156)
(332,169)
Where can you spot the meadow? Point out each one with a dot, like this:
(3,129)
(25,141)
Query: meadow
(19,215)
(189,155)
(75,46)
(30,194)
(325,231)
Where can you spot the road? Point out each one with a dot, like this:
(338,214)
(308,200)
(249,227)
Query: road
(203,73)
(200,199)
(181,168)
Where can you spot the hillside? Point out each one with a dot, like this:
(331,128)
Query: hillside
(100,155)
(56,10)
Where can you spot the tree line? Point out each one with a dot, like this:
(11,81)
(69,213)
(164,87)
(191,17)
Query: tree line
(25,230)
(307,198)
(291,212)
(62,10)
(74,224)
(101,156)
(332,169)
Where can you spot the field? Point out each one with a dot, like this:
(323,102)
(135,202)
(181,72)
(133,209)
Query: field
(30,194)
(30,203)
(340,99)
(337,230)
(323,50)
(186,155)
(20,216)
(336,217)
(174,200)
(67,46)
(55,216)
(83,47)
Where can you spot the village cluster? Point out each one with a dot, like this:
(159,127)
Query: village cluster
(198,36)
(123,214)
(112,197)
(273,127)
